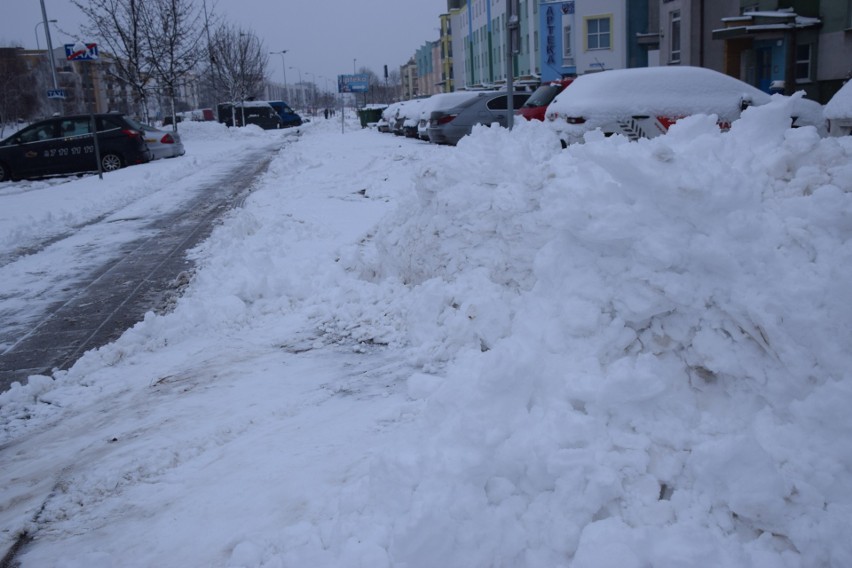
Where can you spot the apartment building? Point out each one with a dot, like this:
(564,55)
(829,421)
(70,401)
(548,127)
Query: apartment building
(556,38)
(428,62)
(587,36)
(408,77)
(680,32)
(774,45)
(479,42)
(90,86)
(789,45)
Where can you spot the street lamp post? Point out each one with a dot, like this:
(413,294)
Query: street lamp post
(35,30)
(313,88)
(284,65)
(49,45)
(301,85)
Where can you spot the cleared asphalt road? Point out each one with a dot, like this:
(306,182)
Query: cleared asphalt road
(145,276)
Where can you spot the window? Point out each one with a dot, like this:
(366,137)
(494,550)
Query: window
(567,49)
(803,63)
(74,127)
(45,131)
(598,34)
(674,34)
(500,103)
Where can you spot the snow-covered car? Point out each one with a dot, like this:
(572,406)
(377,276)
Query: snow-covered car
(163,144)
(805,112)
(386,123)
(838,111)
(645,102)
(411,113)
(397,119)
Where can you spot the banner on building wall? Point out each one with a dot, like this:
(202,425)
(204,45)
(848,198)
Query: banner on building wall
(550,46)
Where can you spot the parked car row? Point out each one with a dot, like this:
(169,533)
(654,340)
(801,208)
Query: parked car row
(268,115)
(65,145)
(636,103)
(447,117)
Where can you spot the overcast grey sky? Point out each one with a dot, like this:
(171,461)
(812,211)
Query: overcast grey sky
(322,37)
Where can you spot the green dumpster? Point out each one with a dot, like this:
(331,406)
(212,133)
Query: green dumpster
(370,115)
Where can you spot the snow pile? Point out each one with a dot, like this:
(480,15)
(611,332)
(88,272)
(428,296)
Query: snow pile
(664,368)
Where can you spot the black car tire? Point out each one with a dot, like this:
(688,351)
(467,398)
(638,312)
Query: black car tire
(5,172)
(111,162)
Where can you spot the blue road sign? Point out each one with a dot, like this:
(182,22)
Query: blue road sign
(56,93)
(81,51)
(359,83)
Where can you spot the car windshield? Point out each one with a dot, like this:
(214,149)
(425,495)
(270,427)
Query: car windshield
(542,96)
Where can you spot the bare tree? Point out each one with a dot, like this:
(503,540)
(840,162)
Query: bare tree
(173,31)
(118,25)
(18,97)
(238,60)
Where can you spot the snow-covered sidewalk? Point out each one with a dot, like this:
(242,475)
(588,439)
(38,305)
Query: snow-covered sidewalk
(499,354)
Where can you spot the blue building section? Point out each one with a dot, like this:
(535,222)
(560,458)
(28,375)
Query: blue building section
(424,59)
(553,17)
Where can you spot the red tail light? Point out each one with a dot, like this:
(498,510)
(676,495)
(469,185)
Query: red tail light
(167,139)
(131,133)
(447,118)
(575,120)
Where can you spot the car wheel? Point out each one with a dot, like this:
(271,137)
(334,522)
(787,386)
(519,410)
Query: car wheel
(111,162)
(5,172)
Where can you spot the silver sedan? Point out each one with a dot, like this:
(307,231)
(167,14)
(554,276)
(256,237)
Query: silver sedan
(163,144)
